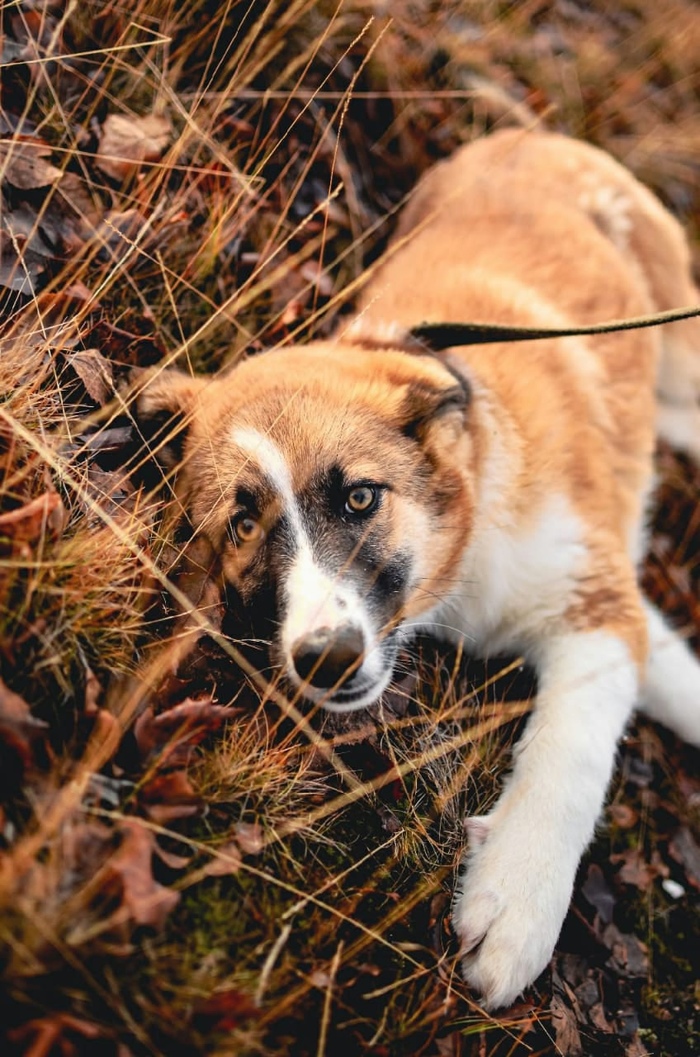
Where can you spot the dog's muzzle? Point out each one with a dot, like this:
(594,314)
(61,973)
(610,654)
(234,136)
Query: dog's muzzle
(327,657)
(335,668)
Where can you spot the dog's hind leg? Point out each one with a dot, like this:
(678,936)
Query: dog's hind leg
(671,692)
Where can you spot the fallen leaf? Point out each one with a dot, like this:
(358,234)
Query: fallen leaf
(171,859)
(21,224)
(84,848)
(143,900)
(81,209)
(566,1032)
(29,523)
(18,727)
(250,837)
(95,372)
(128,141)
(685,850)
(93,692)
(170,796)
(43,1033)
(623,815)
(185,724)
(636,1048)
(224,1010)
(599,1018)
(23,163)
(628,955)
(225,860)
(129,346)
(598,893)
(635,870)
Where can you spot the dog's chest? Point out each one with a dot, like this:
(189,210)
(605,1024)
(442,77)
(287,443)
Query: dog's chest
(512,579)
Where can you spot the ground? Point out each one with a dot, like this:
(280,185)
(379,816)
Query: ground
(189,866)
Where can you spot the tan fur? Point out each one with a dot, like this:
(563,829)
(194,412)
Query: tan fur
(522,512)
(507,231)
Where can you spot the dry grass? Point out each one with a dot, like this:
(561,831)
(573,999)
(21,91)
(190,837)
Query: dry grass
(190,864)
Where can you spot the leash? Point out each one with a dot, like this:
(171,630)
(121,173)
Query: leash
(439,336)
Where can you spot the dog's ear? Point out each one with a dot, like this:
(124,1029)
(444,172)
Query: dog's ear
(165,407)
(429,404)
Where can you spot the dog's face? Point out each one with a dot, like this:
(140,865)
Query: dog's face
(333,483)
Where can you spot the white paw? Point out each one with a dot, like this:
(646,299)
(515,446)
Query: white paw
(509,907)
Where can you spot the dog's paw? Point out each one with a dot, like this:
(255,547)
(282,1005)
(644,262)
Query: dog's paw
(508,910)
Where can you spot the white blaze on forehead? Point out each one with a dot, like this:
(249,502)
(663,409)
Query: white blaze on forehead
(263,451)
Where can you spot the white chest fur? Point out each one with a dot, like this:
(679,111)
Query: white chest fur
(513,582)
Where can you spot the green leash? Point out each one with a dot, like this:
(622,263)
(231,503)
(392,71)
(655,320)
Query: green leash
(438,336)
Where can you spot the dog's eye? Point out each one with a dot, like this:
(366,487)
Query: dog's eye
(361,500)
(245,529)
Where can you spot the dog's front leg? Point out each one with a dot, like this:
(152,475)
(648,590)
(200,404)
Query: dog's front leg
(523,856)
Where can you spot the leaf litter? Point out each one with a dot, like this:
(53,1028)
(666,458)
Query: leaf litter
(184,868)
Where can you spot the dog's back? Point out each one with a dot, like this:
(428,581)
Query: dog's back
(533,228)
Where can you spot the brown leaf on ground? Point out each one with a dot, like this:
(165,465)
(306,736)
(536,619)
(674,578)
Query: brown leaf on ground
(171,859)
(628,955)
(598,893)
(143,900)
(566,1033)
(80,209)
(42,516)
(23,276)
(685,850)
(635,870)
(250,837)
(168,797)
(84,848)
(623,815)
(636,1048)
(48,1035)
(128,141)
(21,225)
(93,692)
(95,372)
(23,163)
(225,860)
(13,708)
(184,725)
(134,343)
(18,727)
(224,1010)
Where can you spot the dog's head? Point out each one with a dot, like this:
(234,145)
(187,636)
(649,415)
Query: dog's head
(333,481)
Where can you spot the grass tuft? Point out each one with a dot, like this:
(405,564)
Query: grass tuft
(189,864)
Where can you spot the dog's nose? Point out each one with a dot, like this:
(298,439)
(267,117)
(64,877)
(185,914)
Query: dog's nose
(324,656)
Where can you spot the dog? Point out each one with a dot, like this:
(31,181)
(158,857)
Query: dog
(358,489)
